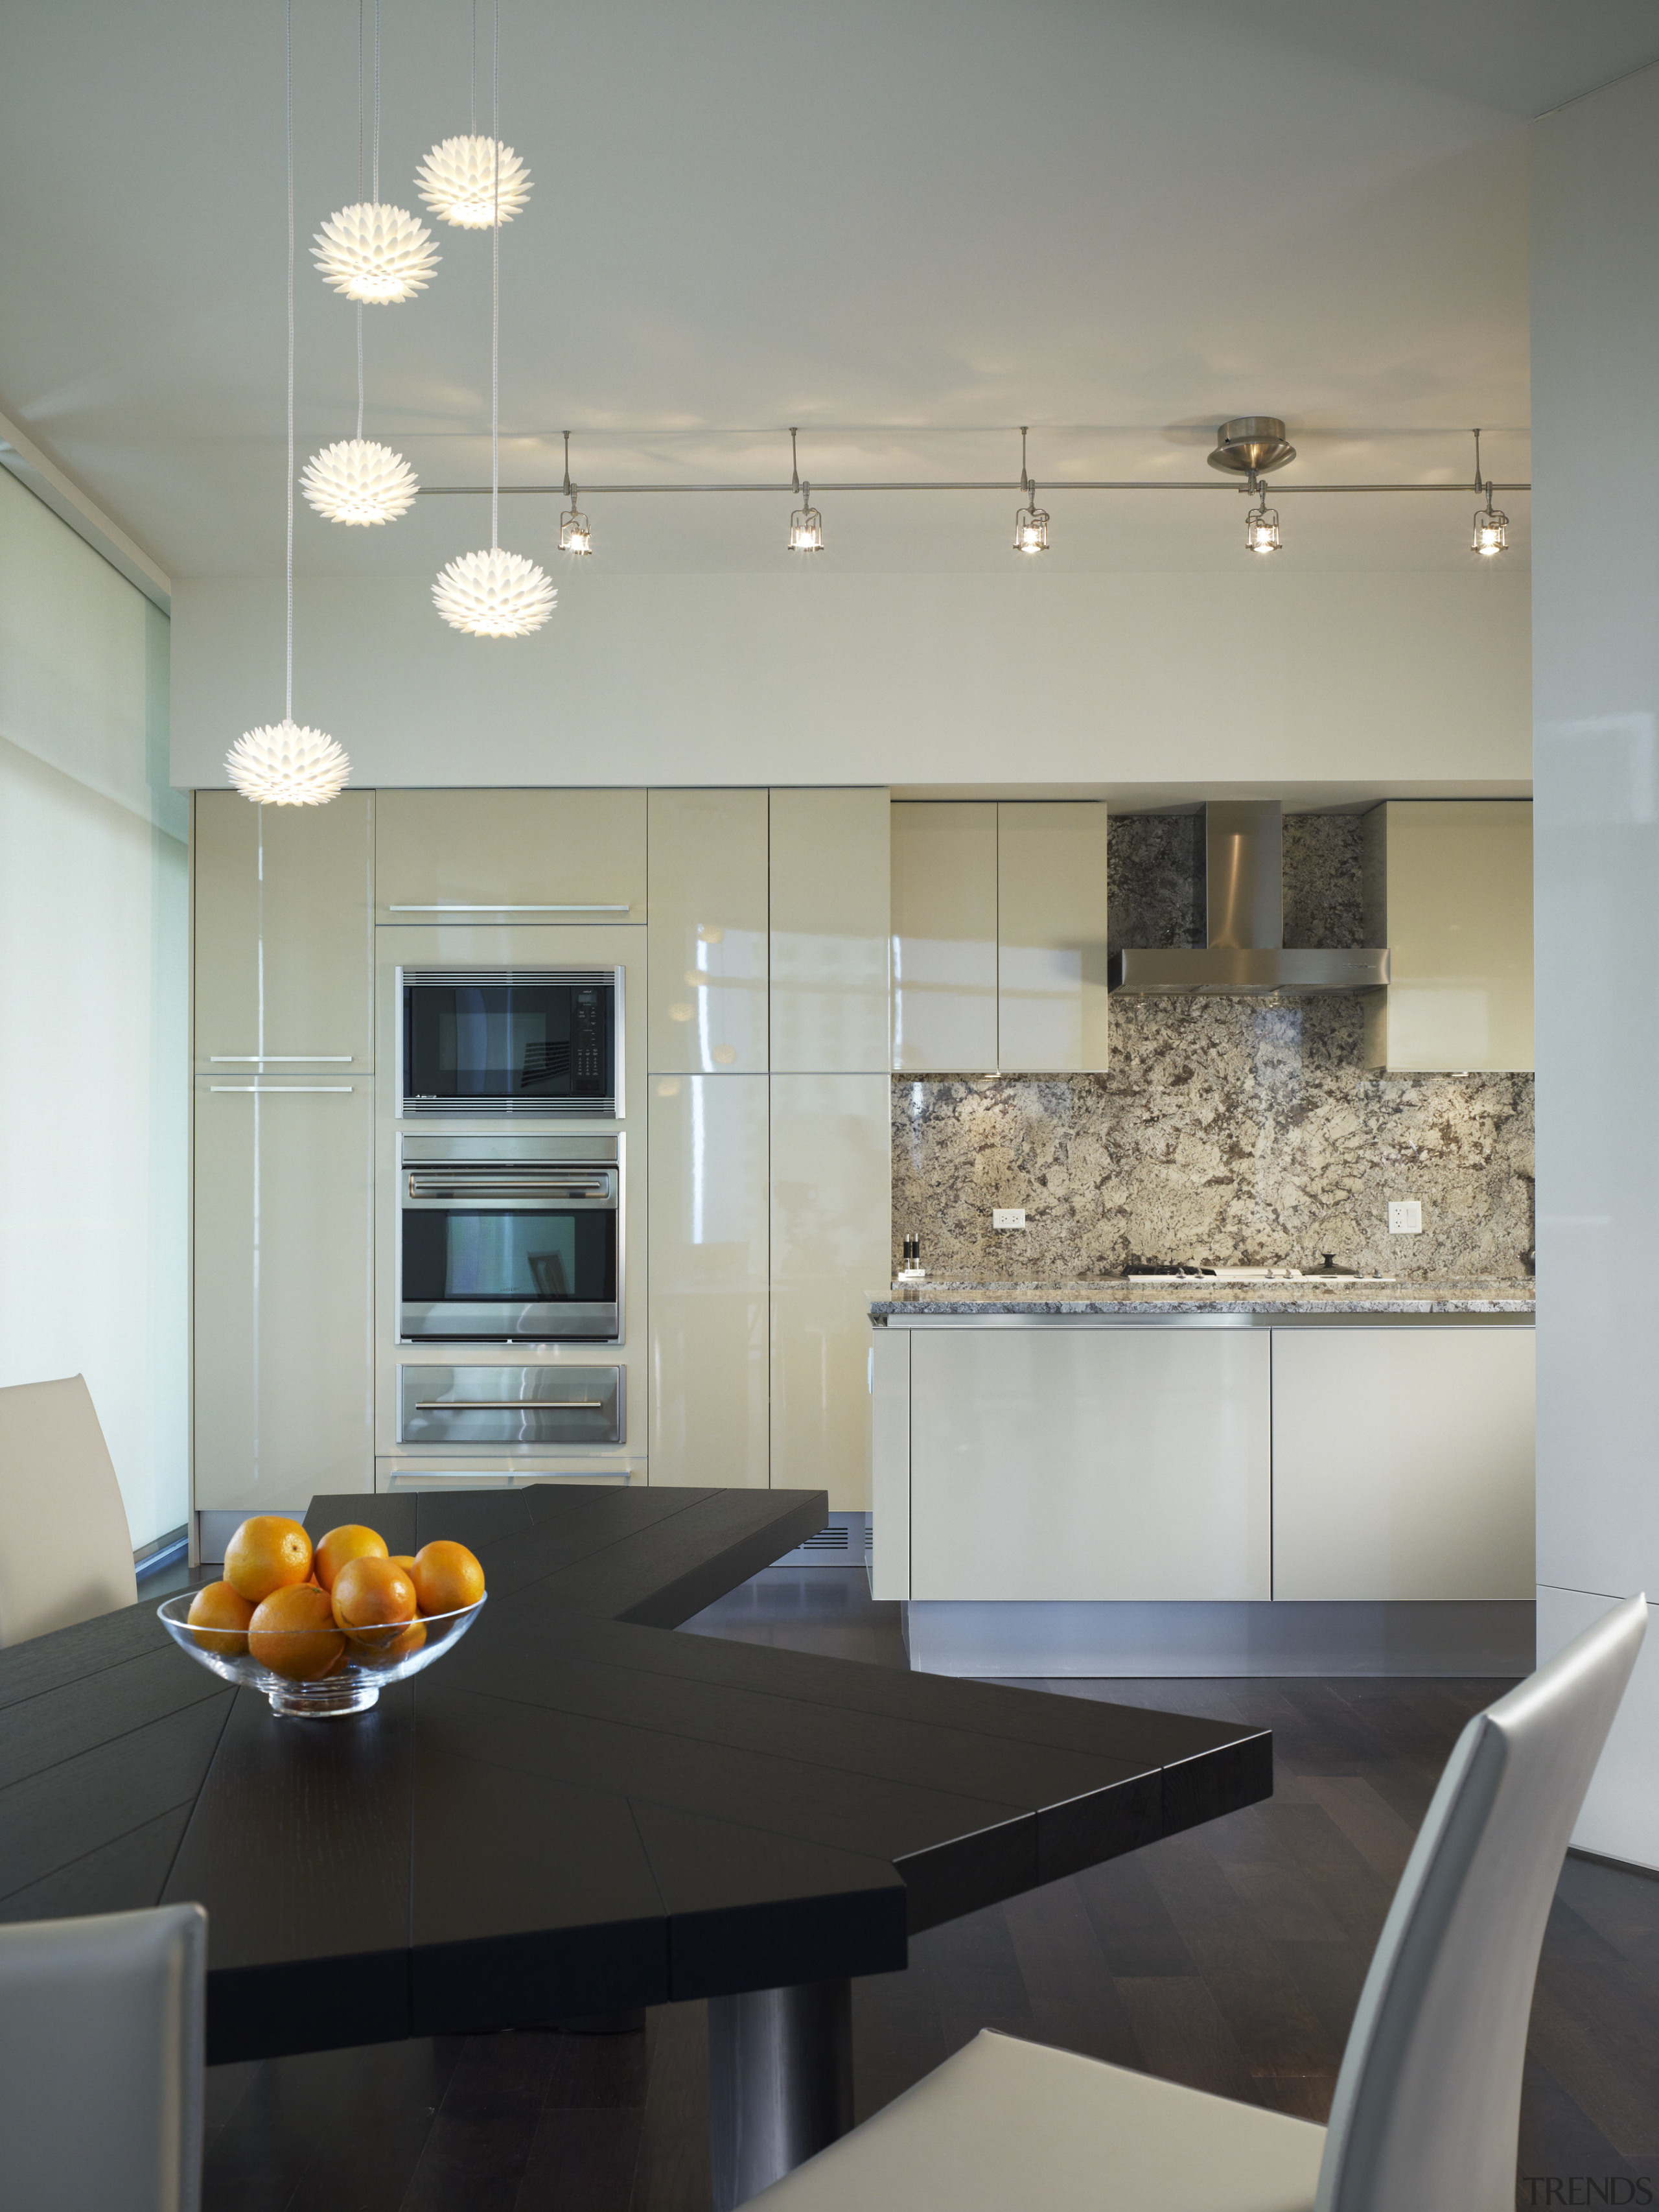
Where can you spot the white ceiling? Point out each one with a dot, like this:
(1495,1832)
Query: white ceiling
(907,229)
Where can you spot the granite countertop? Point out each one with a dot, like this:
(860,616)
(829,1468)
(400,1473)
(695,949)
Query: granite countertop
(1466,1294)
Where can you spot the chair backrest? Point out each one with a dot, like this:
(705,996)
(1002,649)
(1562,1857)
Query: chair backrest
(101,2058)
(1427,2115)
(65,1549)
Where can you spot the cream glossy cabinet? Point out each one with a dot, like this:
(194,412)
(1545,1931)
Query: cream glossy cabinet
(284,1282)
(708,885)
(511,856)
(1086,1463)
(1403,1464)
(1051,937)
(1449,890)
(283,948)
(830,905)
(710,1245)
(830,1254)
(945,937)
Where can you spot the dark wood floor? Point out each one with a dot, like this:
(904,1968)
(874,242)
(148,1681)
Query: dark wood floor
(1229,1958)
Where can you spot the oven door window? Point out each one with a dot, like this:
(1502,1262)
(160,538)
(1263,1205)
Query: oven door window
(507,1041)
(462,1256)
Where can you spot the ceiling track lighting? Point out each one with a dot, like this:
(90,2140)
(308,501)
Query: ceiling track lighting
(356,481)
(805,523)
(1030,523)
(574,535)
(1262,523)
(1491,526)
(1249,445)
(378,254)
(495,594)
(286,763)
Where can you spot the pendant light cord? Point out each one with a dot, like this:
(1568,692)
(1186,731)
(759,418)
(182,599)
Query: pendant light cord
(377,102)
(287,709)
(360,195)
(495,282)
(472,100)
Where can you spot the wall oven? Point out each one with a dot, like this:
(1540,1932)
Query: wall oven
(522,1041)
(510,1239)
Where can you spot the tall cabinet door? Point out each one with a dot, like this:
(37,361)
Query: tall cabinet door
(1051,937)
(830,1255)
(831,902)
(283,925)
(708,1244)
(706,874)
(284,1292)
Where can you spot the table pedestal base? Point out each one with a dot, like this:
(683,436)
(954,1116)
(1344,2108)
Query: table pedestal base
(780,2083)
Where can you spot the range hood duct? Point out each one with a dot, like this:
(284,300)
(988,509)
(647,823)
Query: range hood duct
(1244,903)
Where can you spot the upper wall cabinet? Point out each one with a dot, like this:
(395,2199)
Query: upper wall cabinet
(511,855)
(830,900)
(1449,890)
(284,922)
(945,937)
(1051,937)
(707,937)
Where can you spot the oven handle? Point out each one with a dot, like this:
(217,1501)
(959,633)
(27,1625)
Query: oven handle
(509,1405)
(461,1186)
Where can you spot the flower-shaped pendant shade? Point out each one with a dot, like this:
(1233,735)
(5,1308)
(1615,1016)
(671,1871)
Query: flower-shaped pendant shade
(282,764)
(375,254)
(494,594)
(356,481)
(457,181)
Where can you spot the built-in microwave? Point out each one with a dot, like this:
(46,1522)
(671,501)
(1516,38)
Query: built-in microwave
(510,1239)
(525,1042)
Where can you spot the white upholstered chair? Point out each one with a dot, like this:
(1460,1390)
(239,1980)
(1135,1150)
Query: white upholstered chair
(102,2056)
(65,1549)
(1427,2107)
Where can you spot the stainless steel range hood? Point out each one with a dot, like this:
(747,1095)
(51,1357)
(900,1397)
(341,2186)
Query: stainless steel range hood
(1244,895)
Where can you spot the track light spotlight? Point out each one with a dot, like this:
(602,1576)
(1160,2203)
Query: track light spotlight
(1491,526)
(1030,523)
(806,526)
(574,535)
(1261,525)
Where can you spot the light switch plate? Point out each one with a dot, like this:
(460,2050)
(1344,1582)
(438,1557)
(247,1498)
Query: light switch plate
(1405,1217)
(1008,1217)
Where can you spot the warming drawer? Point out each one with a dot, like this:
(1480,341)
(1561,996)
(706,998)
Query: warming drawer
(529,1407)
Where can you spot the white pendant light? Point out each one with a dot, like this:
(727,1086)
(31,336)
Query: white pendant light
(1030,523)
(375,254)
(355,480)
(285,763)
(495,594)
(456,181)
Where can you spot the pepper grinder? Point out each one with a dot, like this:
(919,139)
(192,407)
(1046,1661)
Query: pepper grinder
(913,1271)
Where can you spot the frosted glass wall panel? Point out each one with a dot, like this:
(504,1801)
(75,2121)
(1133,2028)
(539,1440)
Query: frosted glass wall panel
(93,933)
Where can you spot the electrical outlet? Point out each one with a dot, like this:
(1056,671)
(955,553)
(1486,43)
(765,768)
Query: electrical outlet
(1405,1217)
(1008,1217)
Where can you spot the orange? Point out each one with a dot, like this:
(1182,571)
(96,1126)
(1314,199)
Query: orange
(406,1561)
(372,1601)
(293,1633)
(267,1553)
(447,1578)
(406,1641)
(219,1618)
(352,1542)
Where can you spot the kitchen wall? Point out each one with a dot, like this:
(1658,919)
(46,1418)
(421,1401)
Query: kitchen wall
(1242,1132)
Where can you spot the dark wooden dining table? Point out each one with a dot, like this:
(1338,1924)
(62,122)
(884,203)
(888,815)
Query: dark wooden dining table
(576,1812)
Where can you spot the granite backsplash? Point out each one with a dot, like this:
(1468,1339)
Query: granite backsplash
(1240,1131)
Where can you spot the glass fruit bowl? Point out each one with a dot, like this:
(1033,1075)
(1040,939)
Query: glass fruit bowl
(333,1674)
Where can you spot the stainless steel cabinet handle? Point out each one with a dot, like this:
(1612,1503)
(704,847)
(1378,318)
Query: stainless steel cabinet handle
(283,1090)
(272,1059)
(507,906)
(509,1405)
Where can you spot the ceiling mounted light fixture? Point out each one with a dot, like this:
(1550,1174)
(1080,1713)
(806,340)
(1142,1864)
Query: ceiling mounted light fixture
(378,254)
(1031,524)
(285,763)
(1251,444)
(1491,526)
(355,480)
(1261,524)
(494,593)
(805,523)
(574,535)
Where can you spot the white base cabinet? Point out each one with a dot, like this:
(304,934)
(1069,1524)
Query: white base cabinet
(1089,1463)
(1403,1464)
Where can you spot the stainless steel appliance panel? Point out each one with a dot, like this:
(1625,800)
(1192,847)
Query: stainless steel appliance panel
(508,1406)
(542,1043)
